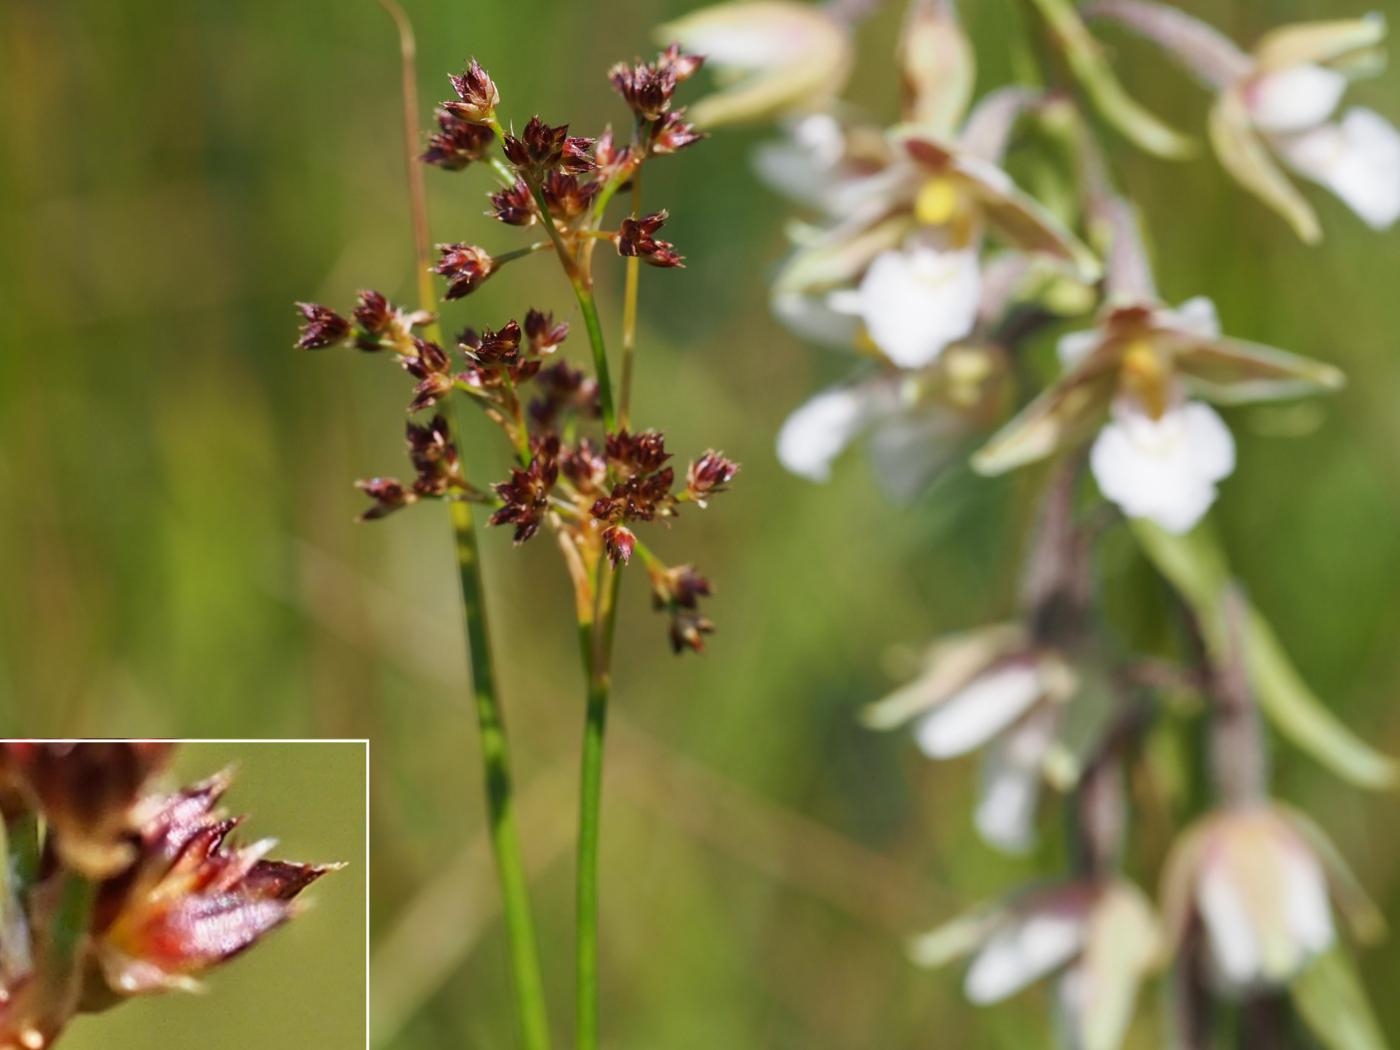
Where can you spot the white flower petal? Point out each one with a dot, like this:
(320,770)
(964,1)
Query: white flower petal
(1197,316)
(1074,347)
(917,301)
(980,710)
(1234,942)
(816,318)
(1164,469)
(819,431)
(1357,158)
(1295,98)
(1305,902)
(1011,778)
(1025,949)
(802,163)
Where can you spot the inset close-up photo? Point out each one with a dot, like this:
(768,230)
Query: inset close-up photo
(136,883)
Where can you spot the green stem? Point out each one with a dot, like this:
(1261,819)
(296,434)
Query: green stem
(582,284)
(589,306)
(595,645)
(505,836)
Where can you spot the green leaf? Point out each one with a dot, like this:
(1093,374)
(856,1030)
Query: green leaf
(937,66)
(1095,74)
(1196,566)
(1243,154)
(1329,997)
(1312,43)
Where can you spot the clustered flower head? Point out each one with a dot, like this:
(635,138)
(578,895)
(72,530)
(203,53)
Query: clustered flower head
(116,888)
(591,486)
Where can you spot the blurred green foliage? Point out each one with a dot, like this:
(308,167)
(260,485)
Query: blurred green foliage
(178,554)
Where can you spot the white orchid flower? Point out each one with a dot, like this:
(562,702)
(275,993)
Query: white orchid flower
(1161,452)
(1261,879)
(990,688)
(1165,468)
(1281,100)
(916,302)
(914,420)
(1097,938)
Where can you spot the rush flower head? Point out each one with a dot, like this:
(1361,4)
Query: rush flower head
(1280,101)
(637,237)
(513,205)
(525,494)
(373,312)
(1096,937)
(647,87)
(465,266)
(708,476)
(388,494)
(493,347)
(544,335)
(322,327)
(540,149)
(677,591)
(477,95)
(457,142)
(1257,877)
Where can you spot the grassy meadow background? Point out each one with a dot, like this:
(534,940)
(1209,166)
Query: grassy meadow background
(178,556)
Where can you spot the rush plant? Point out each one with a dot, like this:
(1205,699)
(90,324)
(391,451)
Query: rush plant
(584,472)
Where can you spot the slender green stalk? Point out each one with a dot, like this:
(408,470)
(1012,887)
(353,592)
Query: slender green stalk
(595,645)
(582,283)
(589,306)
(500,803)
(500,799)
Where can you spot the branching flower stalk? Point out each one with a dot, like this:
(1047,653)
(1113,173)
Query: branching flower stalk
(950,282)
(589,489)
(111,888)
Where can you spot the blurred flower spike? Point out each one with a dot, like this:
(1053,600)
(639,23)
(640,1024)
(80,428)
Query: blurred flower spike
(1258,881)
(899,270)
(115,888)
(991,689)
(1096,938)
(1280,102)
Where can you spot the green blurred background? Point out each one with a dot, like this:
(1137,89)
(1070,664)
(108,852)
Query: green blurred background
(304,986)
(178,553)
